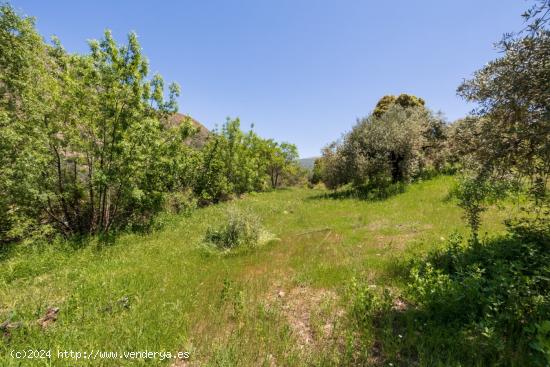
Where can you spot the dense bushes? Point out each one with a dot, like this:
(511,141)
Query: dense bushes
(468,303)
(88,145)
(83,144)
(234,162)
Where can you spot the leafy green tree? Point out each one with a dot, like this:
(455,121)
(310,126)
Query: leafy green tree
(393,148)
(108,158)
(512,132)
(282,159)
(387,147)
(403,100)
(26,86)
(83,140)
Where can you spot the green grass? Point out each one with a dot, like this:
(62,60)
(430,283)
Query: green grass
(225,310)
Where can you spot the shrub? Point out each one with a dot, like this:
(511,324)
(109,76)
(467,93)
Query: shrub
(474,193)
(181,202)
(497,291)
(470,303)
(240,230)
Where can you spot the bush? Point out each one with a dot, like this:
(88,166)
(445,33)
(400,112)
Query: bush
(475,193)
(240,230)
(482,303)
(181,202)
(497,291)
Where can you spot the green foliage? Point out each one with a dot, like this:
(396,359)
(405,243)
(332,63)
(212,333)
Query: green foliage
(487,303)
(235,162)
(317,171)
(283,159)
(396,147)
(333,169)
(240,230)
(408,101)
(87,144)
(180,202)
(83,144)
(403,100)
(498,291)
(474,193)
(23,61)
(511,133)
(383,105)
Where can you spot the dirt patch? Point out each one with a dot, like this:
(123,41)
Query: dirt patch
(413,227)
(185,363)
(398,241)
(377,225)
(49,318)
(311,313)
(399,305)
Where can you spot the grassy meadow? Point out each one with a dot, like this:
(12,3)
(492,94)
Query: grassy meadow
(282,304)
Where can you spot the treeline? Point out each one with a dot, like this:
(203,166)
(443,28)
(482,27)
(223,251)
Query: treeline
(88,145)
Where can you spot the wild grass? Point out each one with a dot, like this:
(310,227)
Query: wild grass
(162,292)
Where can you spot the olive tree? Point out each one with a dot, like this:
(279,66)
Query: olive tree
(507,139)
(514,103)
(394,147)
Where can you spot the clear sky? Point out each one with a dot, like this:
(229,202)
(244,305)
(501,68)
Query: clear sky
(301,71)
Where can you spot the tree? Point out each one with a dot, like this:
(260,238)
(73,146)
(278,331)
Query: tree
(282,158)
(82,141)
(26,86)
(513,128)
(88,143)
(399,141)
(387,147)
(403,100)
(235,162)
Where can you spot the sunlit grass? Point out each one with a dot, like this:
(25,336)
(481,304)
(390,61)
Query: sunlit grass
(224,310)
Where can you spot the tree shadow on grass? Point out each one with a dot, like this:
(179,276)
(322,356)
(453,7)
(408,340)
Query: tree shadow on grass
(366,193)
(60,244)
(6,250)
(465,304)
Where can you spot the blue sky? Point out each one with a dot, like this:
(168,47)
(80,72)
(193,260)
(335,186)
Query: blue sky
(301,71)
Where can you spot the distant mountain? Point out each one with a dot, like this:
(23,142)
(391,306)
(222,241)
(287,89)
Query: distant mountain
(307,163)
(198,139)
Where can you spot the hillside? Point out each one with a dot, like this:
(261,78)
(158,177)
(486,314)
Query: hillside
(282,304)
(308,163)
(202,132)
